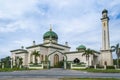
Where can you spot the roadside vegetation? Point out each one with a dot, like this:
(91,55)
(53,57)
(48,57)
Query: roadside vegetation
(89,79)
(13,69)
(102,70)
(5,64)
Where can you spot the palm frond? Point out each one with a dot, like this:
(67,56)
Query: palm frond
(113,48)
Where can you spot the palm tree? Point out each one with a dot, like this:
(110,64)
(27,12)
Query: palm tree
(36,54)
(87,53)
(17,61)
(117,51)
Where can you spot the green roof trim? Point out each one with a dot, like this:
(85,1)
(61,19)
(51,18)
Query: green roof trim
(33,46)
(74,52)
(21,52)
(61,45)
(42,45)
(18,50)
(58,45)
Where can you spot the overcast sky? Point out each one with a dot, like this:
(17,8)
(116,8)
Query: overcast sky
(75,21)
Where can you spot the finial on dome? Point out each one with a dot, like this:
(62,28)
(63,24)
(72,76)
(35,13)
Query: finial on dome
(104,11)
(50,27)
(22,47)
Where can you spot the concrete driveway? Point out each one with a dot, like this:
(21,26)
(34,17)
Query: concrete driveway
(53,74)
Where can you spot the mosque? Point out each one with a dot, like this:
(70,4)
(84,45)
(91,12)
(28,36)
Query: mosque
(51,50)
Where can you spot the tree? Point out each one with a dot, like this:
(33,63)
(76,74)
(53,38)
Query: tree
(18,62)
(36,54)
(6,61)
(87,53)
(117,51)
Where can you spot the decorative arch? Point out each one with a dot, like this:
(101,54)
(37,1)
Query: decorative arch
(65,59)
(60,53)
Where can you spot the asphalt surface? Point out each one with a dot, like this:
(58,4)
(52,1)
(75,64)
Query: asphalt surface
(54,73)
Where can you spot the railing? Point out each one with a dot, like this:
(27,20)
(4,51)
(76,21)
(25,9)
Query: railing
(36,66)
(78,66)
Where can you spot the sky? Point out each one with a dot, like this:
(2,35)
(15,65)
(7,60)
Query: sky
(75,21)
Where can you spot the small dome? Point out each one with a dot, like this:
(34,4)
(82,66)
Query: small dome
(81,47)
(50,34)
(104,11)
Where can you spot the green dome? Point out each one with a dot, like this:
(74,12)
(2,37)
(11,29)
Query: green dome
(50,34)
(81,47)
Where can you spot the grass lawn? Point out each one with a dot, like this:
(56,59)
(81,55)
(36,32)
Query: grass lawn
(101,70)
(16,69)
(89,79)
(9,69)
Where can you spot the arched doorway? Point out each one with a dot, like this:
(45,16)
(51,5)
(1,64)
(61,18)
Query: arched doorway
(56,60)
(105,63)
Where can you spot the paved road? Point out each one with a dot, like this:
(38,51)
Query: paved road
(55,73)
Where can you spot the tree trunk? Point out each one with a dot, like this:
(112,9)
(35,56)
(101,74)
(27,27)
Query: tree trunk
(35,60)
(87,59)
(117,62)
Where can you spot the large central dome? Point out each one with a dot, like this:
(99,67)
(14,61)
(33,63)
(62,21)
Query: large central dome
(50,35)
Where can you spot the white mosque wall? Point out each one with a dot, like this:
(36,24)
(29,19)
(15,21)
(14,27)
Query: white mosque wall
(23,56)
(66,49)
(72,56)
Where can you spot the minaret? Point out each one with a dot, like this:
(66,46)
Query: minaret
(50,27)
(106,55)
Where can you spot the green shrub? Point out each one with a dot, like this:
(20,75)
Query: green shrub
(100,67)
(110,67)
(68,65)
(91,66)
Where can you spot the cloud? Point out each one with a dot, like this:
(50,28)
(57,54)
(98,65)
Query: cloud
(15,8)
(77,22)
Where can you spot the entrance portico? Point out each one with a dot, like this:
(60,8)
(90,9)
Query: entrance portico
(55,59)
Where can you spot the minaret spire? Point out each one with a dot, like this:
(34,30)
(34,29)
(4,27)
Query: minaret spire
(50,27)
(105,30)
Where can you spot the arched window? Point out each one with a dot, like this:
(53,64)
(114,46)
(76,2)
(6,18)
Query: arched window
(76,60)
(104,24)
(105,63)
